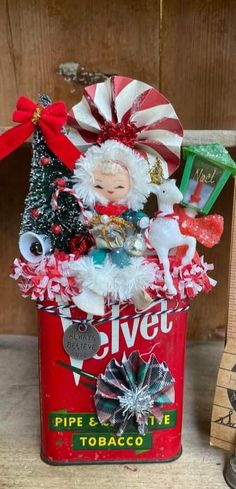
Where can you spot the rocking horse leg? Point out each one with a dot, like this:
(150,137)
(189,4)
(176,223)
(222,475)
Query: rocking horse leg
(191,243)
(163,257)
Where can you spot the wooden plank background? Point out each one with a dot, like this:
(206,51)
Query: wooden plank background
(198,62)
(186,48)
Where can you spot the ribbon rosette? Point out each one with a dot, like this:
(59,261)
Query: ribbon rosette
(131,112)
(132,391)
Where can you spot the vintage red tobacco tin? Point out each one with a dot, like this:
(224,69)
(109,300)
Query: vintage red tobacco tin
(70,430)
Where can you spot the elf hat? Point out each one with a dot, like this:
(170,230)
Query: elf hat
(112,151)
(132,113)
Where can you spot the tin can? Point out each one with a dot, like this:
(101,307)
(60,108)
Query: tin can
(70,430)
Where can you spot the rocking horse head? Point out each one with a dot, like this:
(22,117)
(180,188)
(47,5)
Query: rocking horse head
(167,192)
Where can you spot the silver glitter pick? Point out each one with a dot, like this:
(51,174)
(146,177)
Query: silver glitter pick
(136,402)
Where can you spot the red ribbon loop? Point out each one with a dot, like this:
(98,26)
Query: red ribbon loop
(50,120)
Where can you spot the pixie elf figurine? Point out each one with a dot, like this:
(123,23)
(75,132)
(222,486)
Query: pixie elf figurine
(115,123)
(113,181)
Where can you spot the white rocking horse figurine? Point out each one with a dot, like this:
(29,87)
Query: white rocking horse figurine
(164,232)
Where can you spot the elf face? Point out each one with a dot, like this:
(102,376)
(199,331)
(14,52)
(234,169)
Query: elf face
(113,186)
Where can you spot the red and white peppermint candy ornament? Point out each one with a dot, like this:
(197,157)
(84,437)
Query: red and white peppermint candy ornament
(131,112)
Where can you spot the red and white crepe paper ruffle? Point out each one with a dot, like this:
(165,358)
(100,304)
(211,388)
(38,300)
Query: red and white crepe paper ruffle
(52,278)
(189,280)
(131,112)
(48,279)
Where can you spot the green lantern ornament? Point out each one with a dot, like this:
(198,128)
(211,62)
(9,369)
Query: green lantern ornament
(207,169)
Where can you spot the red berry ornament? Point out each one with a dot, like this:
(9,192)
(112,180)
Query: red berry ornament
(34,213)
(60,182)
(44,160)
(81,243)
(56,229)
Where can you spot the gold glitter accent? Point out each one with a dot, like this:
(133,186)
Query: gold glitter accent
(118,221)
(37,114)
(156,173)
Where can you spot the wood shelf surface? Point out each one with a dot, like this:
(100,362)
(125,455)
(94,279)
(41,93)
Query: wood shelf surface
(20,463)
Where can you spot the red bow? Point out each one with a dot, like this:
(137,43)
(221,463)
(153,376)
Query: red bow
(50,120)
(207,229)
(111,209)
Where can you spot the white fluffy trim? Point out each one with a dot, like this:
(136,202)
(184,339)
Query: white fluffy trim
(112,150)
(109,280)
